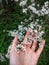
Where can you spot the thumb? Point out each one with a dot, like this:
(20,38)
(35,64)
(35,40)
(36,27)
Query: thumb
(15,41)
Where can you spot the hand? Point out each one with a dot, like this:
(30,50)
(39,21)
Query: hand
(29,57)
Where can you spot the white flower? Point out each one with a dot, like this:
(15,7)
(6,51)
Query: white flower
(42,13)
(46,3)
(46,12)
(37,19)
(4,30)
(20,33)
(16,0)
(25,28)
(35,31)
(33,4)
(30,18)
(25,10)
(31,25)
(2,58)
(20,27)
(42,32)
(37,12)
(23,3)
(26,20)
(38,5)
(32,8)
(43,9)
(7,55)
(8,52)
(21,23)
(13,34)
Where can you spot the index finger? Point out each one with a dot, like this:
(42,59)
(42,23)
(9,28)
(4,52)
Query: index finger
(14,42)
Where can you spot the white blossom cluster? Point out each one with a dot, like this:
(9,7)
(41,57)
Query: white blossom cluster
(40,12)
(24,10)
(2,58)
(37,29)
(23,3)
(22,29)
(33,26)
(19,33)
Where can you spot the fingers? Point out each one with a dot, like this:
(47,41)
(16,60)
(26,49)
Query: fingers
(28,39)
(15,41)
(25,39)
(34,45)
(28,32)
(41,46)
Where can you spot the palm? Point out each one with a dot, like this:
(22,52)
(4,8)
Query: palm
(29,57)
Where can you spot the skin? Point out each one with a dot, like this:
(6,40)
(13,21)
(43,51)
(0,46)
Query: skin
(29,57)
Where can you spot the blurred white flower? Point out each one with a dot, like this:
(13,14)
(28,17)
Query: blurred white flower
(46,3)
(8,52)
(31,25)
(33,4)
(25,10)
(30,18)
(4,30)
(20,27)
(2,58)
(26,20)
(46,12)
(37,19)
(16,0)
(43,9)
(32,8)
(23,3)
(38,5)
(25,28)
(40,12)
(36,31)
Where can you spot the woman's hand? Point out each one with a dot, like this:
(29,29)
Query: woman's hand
(29,57)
